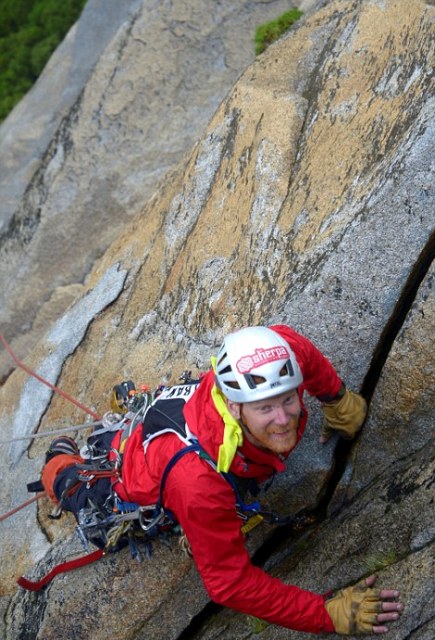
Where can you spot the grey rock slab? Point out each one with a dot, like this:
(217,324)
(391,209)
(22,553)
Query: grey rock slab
(29,128)
(62,340)
(375,533)
(121,102)
(401,417)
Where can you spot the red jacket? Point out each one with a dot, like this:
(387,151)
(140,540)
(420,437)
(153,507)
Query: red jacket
(204,503)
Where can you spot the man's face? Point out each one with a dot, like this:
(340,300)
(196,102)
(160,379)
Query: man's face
(270,424)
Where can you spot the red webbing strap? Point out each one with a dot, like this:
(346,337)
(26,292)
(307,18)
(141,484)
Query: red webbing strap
(60,568)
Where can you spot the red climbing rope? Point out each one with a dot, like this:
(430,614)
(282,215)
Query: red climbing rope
(65,395)
(25,368)
(21,506)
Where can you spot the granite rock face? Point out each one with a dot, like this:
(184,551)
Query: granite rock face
(121,102)
(309,200)
(387,529)
(401,418)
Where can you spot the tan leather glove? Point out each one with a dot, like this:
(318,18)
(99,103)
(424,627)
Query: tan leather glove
(354,610)
(345,416)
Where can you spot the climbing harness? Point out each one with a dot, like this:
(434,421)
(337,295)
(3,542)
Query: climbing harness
(116,523)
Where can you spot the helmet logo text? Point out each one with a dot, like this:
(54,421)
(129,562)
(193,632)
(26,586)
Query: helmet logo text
(261,356)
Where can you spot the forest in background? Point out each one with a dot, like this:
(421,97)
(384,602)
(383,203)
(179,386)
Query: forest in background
(30,30)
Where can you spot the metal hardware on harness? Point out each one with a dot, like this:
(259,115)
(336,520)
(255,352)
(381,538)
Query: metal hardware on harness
(92,517)
(93,524)
(148,523)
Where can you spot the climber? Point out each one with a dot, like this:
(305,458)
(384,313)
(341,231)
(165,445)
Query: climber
(245,416)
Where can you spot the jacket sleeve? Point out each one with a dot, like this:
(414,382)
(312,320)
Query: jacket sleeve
(204,505)
(320,377)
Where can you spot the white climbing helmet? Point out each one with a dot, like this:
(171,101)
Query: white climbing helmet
(255,363)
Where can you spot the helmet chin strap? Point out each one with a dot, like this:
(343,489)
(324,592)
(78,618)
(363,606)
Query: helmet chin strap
(253,440)
(243,423)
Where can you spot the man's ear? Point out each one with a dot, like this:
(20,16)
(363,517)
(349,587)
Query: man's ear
(234,408)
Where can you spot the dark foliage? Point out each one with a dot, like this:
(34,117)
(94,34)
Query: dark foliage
(30,30)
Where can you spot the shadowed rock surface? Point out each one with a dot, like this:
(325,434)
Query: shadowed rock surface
(309,200)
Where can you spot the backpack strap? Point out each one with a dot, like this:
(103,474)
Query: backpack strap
(252,513)
(194,447)
(245,511)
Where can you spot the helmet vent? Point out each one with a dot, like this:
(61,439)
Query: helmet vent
(233,384)
(221,359)
(254,381)
(287,370)
(226,370)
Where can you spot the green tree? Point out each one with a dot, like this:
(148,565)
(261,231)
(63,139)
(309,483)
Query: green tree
(13,15)
(30,30)
(267,33)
